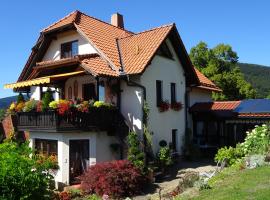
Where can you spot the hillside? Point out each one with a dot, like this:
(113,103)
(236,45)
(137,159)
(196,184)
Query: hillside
(258,76)
(5,102)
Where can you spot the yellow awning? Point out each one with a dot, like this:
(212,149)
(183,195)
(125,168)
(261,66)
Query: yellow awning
(41,81)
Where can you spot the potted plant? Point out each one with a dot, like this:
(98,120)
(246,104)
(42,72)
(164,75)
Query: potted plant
(176,106)
(164,106)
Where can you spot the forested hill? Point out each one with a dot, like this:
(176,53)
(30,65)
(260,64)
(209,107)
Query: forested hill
(258,76)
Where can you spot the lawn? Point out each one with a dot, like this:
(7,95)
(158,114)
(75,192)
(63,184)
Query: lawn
(238,184)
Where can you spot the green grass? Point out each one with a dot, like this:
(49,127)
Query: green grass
(234,184)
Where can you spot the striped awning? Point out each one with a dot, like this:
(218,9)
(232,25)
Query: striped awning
(41,81)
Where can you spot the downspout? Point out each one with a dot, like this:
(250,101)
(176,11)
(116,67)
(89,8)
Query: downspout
(132,84)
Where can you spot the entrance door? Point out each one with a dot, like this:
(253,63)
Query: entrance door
(89,91)
(78,158)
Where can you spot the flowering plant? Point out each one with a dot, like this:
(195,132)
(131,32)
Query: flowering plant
(19,107)
(49,161)
(83,107)
(30,105)
(39,106)
(63,107)
(257,141)
(164,106)
(176,106)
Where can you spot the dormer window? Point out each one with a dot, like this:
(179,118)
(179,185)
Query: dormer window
(164,51)
(69,49)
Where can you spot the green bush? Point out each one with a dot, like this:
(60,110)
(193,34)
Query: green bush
(20,98)
(93,197)
(48,97)
(135,154)
(257,141)
(232,155)
(164,156)
(102,104)
(21,176)
(30,105)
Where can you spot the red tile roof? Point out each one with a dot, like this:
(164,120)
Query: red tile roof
(113,43)
(137,50)
(206,83)
(69,19)
(215,106)
(254,115)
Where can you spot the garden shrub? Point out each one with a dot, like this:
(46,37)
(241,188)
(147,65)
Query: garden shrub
(20,98)
(116,179)
(257,141)
(229,154)
(48,97)
(21,176)
(30,105)
(164,157)
(135,154)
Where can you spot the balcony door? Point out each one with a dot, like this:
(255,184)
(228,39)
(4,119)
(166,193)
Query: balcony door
(89,91)
(78,159)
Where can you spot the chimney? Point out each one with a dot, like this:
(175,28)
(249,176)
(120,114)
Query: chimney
(117,20)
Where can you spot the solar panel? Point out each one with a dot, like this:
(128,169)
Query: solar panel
(253,106)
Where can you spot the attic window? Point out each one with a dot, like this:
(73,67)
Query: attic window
(69,49)
(164,51)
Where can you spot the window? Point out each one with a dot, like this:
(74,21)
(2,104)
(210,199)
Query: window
(174,140)
(173,92)
(75,89)
(164,51)
(46,147)
(69,49)
(101,91)
(159,92)
(70,92)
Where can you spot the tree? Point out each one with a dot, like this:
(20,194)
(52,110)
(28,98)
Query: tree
(219,64)
(22,176)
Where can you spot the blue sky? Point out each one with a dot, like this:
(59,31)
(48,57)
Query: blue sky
(243,24)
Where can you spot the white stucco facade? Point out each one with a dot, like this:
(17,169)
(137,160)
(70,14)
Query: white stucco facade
(54,50)
(99,148)
(161,124)
(131,106)
(199,95)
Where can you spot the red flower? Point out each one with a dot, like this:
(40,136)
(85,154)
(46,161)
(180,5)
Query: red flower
(39,106)
(164,106)
(176,106)
(63,107)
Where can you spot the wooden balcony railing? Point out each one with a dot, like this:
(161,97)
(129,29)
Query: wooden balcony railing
(96,118)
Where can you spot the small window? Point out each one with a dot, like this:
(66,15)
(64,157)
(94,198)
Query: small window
(174,140)
(69,49)
(159,92)
(101,91)
(75,89)
(70,92)
(164,51)
(46,147)
(173,92)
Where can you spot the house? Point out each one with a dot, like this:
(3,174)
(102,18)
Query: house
(81,57)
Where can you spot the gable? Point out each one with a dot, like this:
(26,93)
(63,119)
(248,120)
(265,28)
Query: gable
(54,50)
(120,48)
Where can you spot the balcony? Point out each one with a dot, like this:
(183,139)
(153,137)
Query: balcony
(96,119)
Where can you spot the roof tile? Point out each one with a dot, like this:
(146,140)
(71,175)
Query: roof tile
(215,106)
(137,50)
(205,82)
